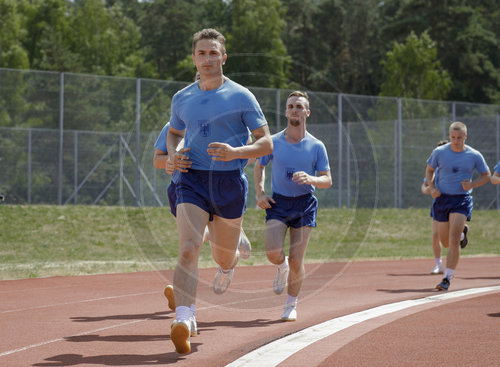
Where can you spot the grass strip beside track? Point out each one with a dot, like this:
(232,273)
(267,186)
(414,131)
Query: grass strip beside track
(44,240)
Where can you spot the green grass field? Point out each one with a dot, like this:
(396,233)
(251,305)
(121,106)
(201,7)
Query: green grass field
(37,241)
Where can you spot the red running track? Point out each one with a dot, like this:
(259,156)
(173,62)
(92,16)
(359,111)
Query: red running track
(124,320)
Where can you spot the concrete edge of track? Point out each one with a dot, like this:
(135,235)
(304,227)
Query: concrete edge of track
(279,350)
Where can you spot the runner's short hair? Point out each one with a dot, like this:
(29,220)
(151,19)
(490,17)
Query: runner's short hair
(210,34)
(298,93)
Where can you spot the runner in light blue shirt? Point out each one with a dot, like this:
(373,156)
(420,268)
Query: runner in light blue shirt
(309,155)
(299,165)
(455,168)
(495,178)
(214,116)
(454,162)
(225,114)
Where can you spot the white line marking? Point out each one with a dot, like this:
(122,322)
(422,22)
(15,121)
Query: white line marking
(22,349)
(277,351)
(75,302)
(31,346)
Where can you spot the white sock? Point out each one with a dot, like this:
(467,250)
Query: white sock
(193,309)
(206,235)
(284,264)
(183,313)
(291,300)
(439,262)
(462,236)
(448,273)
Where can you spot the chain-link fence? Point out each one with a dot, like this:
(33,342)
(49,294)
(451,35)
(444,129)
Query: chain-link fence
(85,139)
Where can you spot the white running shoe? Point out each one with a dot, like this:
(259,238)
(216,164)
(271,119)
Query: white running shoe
(222,280)
(281,278)
(289,312)
(437,270)
(244,245)
(180,335)
(193,326)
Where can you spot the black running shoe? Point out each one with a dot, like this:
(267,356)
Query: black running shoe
(465,241)
(444,285)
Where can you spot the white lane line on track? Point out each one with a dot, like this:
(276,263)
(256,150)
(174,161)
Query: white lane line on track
(277,351)
(31,346)
(22,349)
(76,302)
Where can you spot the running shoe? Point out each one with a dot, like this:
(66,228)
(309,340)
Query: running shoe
(244,245)
(444,285)
(222,280)
(438,269)
(180,334)
(169,294)
(281,278)
(289,312)
(194,325)
(465,241)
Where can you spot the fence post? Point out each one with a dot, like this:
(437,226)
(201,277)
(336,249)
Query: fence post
(400,155)
(348,165)
(29,165)
(278,111)
(395,165)
(453,111)
(137,141)
(443,125)
(75,165)
(339,169)
(498,158)
(61,134)
(120,163)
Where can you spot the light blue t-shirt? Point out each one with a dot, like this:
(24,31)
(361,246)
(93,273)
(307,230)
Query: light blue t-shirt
(497,168)
(221,115)
(455,167)
(308,155)
(435,178)
(161,144)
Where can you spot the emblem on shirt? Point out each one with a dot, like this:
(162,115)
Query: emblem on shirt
(289,173)
(455,169)
(204,129)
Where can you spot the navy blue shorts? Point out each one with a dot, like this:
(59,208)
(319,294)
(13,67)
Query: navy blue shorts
(432,208)
(221,193)
(172,197)
(446,204)
(295,212)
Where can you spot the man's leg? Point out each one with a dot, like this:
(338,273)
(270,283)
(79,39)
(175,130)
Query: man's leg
(191,222)
(444,233)
(224,239)
(299,238)
(456,226)
(274,237)
(436,248)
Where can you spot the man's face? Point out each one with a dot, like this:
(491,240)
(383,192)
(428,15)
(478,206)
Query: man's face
(457,138)
(208,57)
(297,110)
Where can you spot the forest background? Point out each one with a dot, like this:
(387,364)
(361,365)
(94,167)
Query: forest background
(441,50)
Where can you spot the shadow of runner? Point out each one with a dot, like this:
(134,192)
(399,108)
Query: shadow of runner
(115,338)
(114,359)
(203,326)
(396,291)
(144,316)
